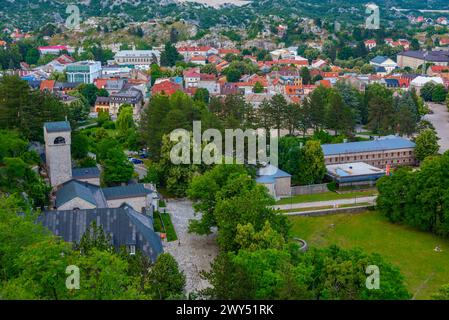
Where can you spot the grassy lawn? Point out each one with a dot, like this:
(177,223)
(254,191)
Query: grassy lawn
(169,229)
(326,196)
(409,249)
(325,207)
(112,132)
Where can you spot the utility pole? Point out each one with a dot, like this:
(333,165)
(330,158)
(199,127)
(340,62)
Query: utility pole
(424,64)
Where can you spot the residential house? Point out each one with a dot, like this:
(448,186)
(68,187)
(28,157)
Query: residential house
(209,82)
(102,104)
(191,78)
(370,44)
(165,87)
(130,96)
(112,85)
(384,62)
(202,51)
(223,52)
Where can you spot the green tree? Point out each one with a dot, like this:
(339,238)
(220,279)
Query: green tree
(311,163)
(155,72)
(305,75)
(380,109)
(279,112)
(427,91)
(367,69)
(91,92)
(258,88)
(170,55)
(166,278)
(125,120)
(318,101)
(439,93)
(406,114)
(203,190)
(116,168)
(201,95)
(338,115)
(79,146)
(426,144)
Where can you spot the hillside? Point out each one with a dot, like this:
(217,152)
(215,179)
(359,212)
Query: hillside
(29,14)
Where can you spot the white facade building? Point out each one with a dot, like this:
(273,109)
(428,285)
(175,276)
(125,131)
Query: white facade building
(84,71)
(137,57)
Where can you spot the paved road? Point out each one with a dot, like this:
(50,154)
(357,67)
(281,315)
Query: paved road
(326,203)
(193,253)
(440,119)
(320,212)
(141,170)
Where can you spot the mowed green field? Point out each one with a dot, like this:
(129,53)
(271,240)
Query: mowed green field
(411,250)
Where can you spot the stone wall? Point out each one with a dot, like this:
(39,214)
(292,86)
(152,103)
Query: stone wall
(310,189)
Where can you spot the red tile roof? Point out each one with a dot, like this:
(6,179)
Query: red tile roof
(226,51)
(325,83)
(194,49)
(47,85)
(165,87)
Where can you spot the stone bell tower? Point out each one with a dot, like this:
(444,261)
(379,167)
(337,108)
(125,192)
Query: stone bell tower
(57,136)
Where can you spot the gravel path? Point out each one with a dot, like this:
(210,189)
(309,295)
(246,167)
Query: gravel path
(194,253)
(440,119)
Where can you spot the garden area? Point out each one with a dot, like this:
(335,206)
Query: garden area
(424,269)
(162,223)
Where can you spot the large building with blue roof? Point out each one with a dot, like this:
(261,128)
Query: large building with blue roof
(390,150)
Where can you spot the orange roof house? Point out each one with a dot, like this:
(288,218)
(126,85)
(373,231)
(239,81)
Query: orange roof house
(100,83)
(166,87)
(223,52)
(325,83)
(293,90)
(47,85)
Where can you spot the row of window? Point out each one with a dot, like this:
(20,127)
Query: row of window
(126,60)
(372,156)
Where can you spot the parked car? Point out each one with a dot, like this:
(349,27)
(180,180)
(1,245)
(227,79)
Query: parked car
(135,161)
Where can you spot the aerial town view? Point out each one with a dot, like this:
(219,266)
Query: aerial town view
(195,151)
